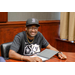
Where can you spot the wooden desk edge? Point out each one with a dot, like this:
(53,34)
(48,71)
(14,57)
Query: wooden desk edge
(70,58)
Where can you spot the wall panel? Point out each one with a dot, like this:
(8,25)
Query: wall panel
(48,28)
(3,17)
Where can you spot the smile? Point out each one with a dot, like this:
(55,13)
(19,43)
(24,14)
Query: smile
(32,33)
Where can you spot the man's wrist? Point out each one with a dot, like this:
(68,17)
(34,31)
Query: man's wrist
(59,53)
(26,58)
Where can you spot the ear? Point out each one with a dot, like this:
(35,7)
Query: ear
(26,28)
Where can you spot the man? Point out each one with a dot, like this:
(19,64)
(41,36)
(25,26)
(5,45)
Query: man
(30,42)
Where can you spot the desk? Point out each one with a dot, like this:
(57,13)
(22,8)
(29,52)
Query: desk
(70,58)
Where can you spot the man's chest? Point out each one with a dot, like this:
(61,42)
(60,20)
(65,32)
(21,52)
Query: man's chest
(30,49)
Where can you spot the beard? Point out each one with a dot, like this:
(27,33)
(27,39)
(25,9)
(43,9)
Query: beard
(31,35)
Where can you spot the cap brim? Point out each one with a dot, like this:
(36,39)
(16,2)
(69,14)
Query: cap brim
(33,24)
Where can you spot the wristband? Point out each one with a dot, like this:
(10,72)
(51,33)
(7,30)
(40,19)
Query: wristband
(58,53)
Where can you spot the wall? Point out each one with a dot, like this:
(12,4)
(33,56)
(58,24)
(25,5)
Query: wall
(3,17)
(48,28)
(23,16)
(65,45)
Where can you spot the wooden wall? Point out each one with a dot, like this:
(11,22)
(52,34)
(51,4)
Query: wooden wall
(64,45)
(3,17)
(48,28)
(8,30)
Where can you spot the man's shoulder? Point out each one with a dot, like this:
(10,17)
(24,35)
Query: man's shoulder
(20,34)
(39,34)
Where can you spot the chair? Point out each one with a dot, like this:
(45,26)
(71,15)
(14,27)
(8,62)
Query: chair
(5,50)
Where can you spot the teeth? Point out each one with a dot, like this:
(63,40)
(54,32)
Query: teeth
(32,33)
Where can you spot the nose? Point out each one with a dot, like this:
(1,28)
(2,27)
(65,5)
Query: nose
(33,29)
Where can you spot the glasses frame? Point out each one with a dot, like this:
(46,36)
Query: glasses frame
(31,28)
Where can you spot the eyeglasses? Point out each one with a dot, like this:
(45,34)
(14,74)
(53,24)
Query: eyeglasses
(31,28)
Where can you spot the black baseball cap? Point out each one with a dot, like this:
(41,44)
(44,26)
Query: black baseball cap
(32,21)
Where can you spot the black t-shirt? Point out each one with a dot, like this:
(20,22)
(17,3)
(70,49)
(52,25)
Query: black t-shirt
(22,46)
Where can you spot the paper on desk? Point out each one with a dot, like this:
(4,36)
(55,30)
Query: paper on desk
(46,54)
(43,59)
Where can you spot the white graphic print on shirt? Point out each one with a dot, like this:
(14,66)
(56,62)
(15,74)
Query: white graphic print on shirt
(31,49)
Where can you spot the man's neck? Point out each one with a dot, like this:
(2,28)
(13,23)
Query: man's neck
(31,38)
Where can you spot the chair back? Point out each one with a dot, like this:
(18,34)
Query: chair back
(5,50)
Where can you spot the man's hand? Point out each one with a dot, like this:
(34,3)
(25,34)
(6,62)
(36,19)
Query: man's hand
(35,59)
(62,56)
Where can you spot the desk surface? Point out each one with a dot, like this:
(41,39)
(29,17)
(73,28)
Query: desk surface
(70,58)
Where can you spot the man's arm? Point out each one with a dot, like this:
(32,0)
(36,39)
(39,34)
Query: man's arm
(52,48)
(14,55)
(60,55)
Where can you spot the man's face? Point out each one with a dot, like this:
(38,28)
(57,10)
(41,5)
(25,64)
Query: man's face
(32,30)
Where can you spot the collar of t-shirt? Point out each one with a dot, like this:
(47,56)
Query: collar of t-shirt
(30,40)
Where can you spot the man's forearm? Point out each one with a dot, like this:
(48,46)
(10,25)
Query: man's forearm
(52,48)
(14,55)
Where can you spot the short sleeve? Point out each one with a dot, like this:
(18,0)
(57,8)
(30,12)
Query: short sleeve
(16,43)
(45,43)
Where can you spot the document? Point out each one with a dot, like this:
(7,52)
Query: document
(46,54)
